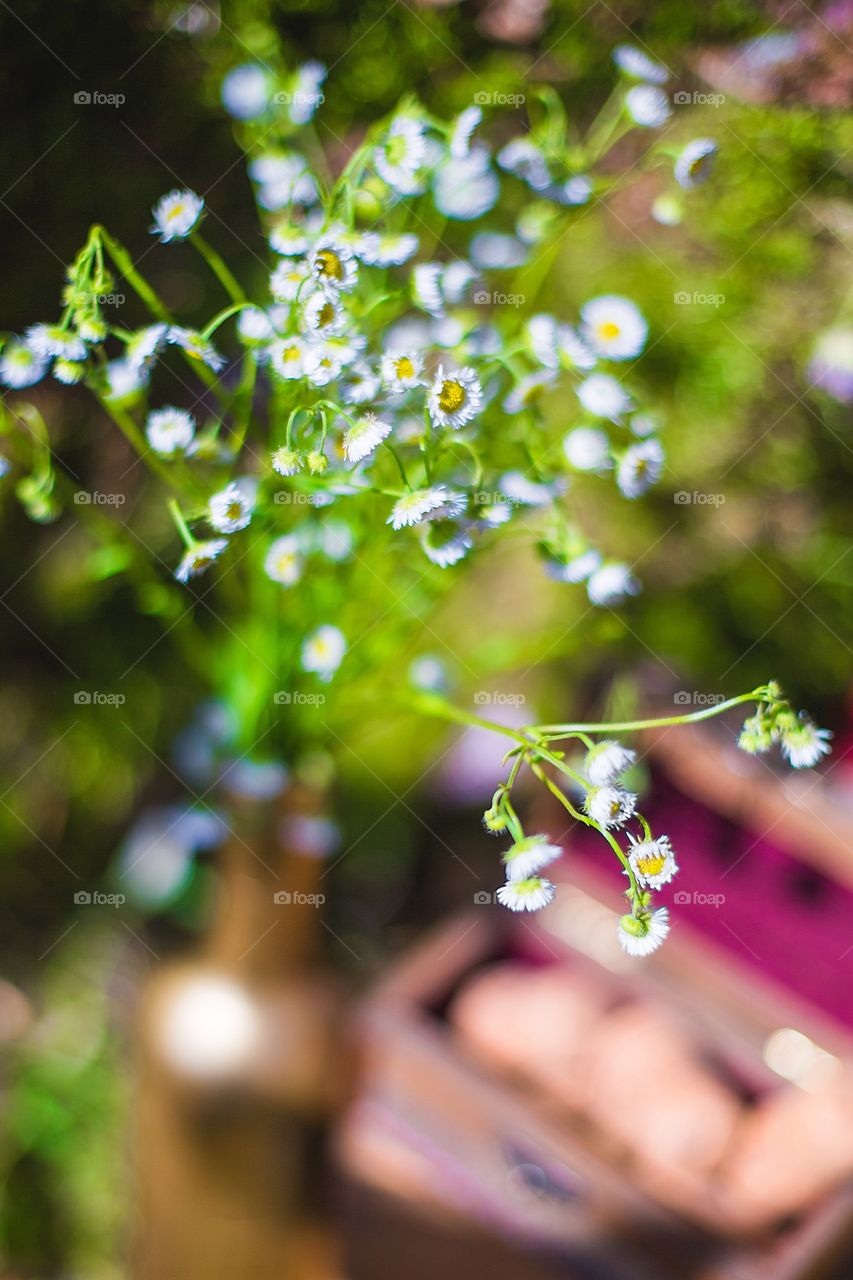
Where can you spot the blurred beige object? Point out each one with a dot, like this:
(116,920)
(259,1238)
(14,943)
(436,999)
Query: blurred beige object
(790,1150)
(514,21)
(16,1013)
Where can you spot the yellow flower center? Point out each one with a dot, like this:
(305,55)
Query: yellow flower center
(234,510)
(290,353)
(652,865)
(404,368)
(452,396)
(329,265)
(325,315)
(608,330)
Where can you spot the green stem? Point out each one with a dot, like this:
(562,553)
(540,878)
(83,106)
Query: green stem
(630,726)
(229,283)
(140,286)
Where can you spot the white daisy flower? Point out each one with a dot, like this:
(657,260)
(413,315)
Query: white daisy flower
(199,557)
(175,215)
(401,371)
(401,154)
(363,386)
(607,761)
(581,566)
(306,95)
(421,504)
(123,380)
(324,362)
(333,265)
(367,434)
(573,351)
(283,561)
(52,340)
(454,398)
(610,805)
(20,366)
(426,287)
(642,934)
(169,430)
(145,346)
(517,487)
(389,250)
(323,315)
(287,279)
(68,371)
(323,651)
(526,895)
(603,397)
(523,158)
(466,189)
(528,391)
(254,325)
(575,190)
(652,861)
(494,251)
(230,510)
(610,584)
(587,449)
(541,334)
(195,346)
(640,467)
(455,280)
(91,328)
(283,180)
(647,106)
(803,744)
(445,543)
(289,240)
(643,424)
(634,62)
(287,357)
(524,858)
(246,91)
(614,327)
(695,163)
(287,462)
(463,127)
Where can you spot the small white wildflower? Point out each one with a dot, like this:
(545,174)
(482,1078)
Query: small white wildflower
(647,106)
(401,154)
(803,743)
(446,543)
(283,561)
(123,379)
(169,430)
(230,510)
(610,584)
(634,62)
(455,279)
(610,805)
(575,190)
(362,387)
(289,240)
(323,651)
(401,371)
(199,557)
(283,180)
(287,280)
(492,250)
(466,189)
(652,861)
(541,334)
(323,315)
(587,449)
(454,398)
(529,493)
(524,858)
(604,397)
(643,424)
(426,287)
(287,357)
(528,391)
(246,91)
(305,94)
(419,505)
(581,566)
(607,761)
(20,366)
(287,462)
(614,327)
(195,346)
(429,673)
(463,127)
(145,346)
(524,158)
(52,340)
(367,434)
(68,371)
(526,895)
(389,250)
(254,325)
(324,362)
(573,351)
(642,934)
(640,467)
(333,265)
(695,163)
(175,215)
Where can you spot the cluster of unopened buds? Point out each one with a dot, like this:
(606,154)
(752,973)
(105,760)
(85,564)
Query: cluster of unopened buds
(598,798)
